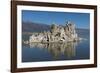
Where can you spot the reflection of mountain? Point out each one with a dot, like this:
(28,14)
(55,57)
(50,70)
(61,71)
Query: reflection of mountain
(57,49)
(38,27)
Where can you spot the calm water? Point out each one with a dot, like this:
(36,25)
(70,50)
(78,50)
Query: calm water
(35,52)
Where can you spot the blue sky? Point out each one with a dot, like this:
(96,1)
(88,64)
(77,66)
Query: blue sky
(81,20)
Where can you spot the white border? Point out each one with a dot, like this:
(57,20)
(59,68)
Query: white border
(53,63)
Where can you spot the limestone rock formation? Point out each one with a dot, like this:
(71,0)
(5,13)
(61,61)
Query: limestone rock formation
(56,34)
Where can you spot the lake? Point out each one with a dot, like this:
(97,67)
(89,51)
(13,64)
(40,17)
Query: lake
(35,52)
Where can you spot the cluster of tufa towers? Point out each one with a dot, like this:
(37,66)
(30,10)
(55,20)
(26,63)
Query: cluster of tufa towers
(57,33)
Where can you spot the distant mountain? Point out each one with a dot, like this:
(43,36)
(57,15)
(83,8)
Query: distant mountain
(83,33)
(34,27)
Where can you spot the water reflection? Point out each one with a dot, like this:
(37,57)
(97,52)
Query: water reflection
(57,49)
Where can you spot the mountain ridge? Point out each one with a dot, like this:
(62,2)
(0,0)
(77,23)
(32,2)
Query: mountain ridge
(39,27)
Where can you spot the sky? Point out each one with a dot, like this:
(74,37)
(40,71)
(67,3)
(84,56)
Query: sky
(81,20)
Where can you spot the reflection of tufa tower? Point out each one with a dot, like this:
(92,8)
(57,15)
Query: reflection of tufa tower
(57,49)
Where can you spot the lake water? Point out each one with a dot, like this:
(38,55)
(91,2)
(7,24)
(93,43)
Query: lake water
(35,52)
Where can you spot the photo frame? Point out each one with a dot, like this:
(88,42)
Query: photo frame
(85,55)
